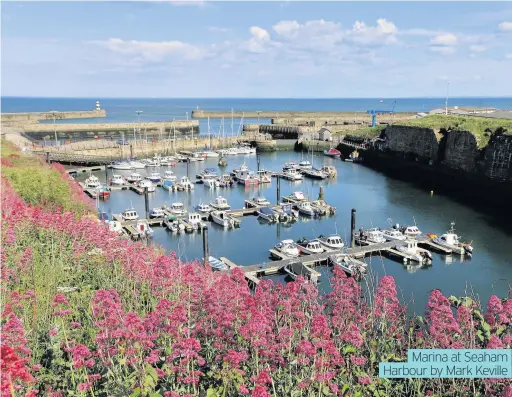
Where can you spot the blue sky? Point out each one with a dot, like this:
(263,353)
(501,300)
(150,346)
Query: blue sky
(256,49)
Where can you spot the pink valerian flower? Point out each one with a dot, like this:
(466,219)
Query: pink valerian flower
(243,389)
(263,378)
(235,358)
(53,331)
(352,335)
(358,360)
(75,324)
(84,386)
(60,299)
(79,354)
(443,326)
(260,391)
(494,343)
(14,371)
(364,380)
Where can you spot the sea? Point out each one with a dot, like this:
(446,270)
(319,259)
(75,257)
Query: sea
(378,199)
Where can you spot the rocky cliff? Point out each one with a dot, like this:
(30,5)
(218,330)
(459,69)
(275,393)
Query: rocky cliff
(461,151)
(421,142)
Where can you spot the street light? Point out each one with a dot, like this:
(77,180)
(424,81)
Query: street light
(258,112)
(54,112)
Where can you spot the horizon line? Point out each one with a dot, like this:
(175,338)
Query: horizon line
(234,97)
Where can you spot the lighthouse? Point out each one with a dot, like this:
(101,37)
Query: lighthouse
(98,106)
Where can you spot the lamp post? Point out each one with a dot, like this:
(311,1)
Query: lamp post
(54,113)
(258,112)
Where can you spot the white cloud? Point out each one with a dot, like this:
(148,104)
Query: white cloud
(383,33)
(152,51)
(447,39)
(505,26)
(190,3)
(288,29)
(445,50)
(259,41)
(477,48)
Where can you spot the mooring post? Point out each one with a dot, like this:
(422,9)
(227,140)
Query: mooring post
(131,151)
(146,201)
(188,167)
(106,173)
(48,157)
(205,246)
(278,189)
(321,193)
(353,228)
(258,158)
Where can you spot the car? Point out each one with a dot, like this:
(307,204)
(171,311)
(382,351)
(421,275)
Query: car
(121,142)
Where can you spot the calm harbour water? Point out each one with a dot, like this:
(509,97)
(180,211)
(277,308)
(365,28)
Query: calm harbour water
(376,199)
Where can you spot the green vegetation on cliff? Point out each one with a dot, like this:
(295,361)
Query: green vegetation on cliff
(481,127)
(365,132)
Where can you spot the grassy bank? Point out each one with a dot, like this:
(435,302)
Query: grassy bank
(85,313)
(481,127)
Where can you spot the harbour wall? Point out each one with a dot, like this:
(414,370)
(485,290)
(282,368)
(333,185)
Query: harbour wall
(111,130)
(34,117)
(446,162)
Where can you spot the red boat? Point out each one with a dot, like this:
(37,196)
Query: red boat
(332,153)
(104,192)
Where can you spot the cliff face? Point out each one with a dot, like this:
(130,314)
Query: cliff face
(421,142)
(461,151)
(498,158)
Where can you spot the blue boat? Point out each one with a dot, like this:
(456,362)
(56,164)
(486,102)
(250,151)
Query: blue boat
(269,214)
(216,264)
(167,185)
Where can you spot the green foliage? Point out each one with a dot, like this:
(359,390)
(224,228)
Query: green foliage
(365,132)
(481,127)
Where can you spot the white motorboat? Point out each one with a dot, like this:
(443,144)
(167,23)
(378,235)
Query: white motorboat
(258,201)
(411,231)
(296,269)
(169,176)
(123,165)
(247,178)
(314,174)
(296,196)
(293,174)
(138,165)
(216,264)
(130,215)
(329,170)
(264,176)
(393,234)
(117,180)
(115,226)
(243,167)
(154,177)
(288,248)
(268,214)
(174,226)
(203,208)
(209,154)
(306,209)
(414,252)
(356,269)
(305,165)
(156,212)
(92,182)
(451,241)
(194,219)
(212,182)
(145,183)
(177,209)
(223,219)
(287,213)
(208,173)
(185,184)
(169,161)
(372,236)
(134,177)
(310,247)
(143,228)
(291,165)
(332,242)
(220,203)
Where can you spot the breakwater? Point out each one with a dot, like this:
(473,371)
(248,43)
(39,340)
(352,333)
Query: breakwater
(34,117)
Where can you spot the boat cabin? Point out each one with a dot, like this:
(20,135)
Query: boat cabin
(334,241)
(194,218)
(130,215)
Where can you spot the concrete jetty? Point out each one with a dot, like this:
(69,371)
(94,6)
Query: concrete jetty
(34,117)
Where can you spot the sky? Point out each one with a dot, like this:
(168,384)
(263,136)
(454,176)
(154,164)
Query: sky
(256,49)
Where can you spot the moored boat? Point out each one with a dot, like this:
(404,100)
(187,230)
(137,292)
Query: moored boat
(329,170)
(220,203)
(154,177)
(216,264)
(268,214)
(295,196)
(296,269)
(203,208)
(393,234)
(264,176)
(168,185)
(411,249)
(349,265)
(223,219)
(293,174)
(314,174)
(185,184)
(129,215)
(143,228)
(103,192)
(306,209)
(194,220)
(169,176)
(305,165)
(332,242)
(92,182)
(332,153)
(177,209)
(134,177)
(288,248)
(451,241)
(246,178)
(310,247)
(370,236)
(145,183)
(156,212)
(257,201)
(117,180)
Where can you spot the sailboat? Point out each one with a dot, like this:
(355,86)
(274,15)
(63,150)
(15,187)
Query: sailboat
(210,152)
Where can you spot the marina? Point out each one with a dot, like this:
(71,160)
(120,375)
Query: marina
(349,189)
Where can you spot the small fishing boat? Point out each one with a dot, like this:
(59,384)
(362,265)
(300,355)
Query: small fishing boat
(168,185)
(310,247)
(264,176)
(306,209)
(134,177)
(287,213)
(117,180)
(223,219)
(293,174)
(123,165)
(291,165)
(103,192)
(177,209)
(353,157)
(208,173)
(332,153)
(393,234)
(414,252)
(247,178)
(372,236)
(115,226)
(169,176)
(226,181)
(203,208)
(169,161)
(143,228)
(242,168)
(156,212)
(154,177)
(451,241)
(145,183)
(333,242)
(216,264)
(411,231)
(349,265)
(257,201)
(220,203)
(129,215)
(92,182)
(138,165)
(295,196)
(314,174)
(211,182)
(268,214)
(194,220)
(296,269)
(174,225)
(210,154)
(185,184)
(305,165)
(288,248)
(329,170)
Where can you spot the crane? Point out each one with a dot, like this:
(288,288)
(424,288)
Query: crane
(374,113)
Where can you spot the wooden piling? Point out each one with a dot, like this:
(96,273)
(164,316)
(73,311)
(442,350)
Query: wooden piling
(278,189)
(146,201)
(205,246)
(353,228)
